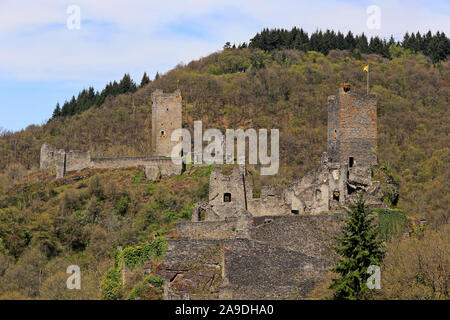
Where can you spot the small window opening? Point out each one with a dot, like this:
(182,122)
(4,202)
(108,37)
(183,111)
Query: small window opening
(227,197)
(346,88)
(295,211)
(336,195)
(201,215)
(163,133)
(350,162)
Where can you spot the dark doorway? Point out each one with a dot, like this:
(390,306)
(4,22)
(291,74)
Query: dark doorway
(227,197)
(336,195)
(350,162)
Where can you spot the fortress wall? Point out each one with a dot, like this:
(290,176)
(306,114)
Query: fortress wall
(189,266)
(77,160)
(154,166)
(310,194)
(256,270)
(308,234)
(225,229)
(47,159)
(268,205)
(237,269)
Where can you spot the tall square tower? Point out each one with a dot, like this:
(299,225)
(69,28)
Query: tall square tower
(166,117)
(352,128)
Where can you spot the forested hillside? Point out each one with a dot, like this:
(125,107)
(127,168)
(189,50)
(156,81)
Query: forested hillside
(234,88)
(285,89)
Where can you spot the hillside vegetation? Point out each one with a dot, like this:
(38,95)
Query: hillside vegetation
(284,89)
(43,226)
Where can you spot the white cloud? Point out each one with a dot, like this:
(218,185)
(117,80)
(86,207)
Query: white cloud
(135,35)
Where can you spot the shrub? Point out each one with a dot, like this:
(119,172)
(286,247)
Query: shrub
(145,285)
(121,206)
(111,285)
(135,256)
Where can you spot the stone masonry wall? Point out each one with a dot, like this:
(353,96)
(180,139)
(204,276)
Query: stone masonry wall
(311,235)
(235,185)
(352,127)
(226,229)
(166,117)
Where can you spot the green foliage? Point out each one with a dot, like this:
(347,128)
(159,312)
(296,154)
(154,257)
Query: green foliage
(88,98)
(136,256)
(121,206)
(118,258)
(143,286)
(436,46)
(391,223)
(138,177)
(145,80)
(358,248)
(111,285)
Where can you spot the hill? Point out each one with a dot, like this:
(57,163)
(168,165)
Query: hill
(43,225)
(284,89)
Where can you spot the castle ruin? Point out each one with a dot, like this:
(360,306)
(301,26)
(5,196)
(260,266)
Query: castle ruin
(277,246)
(237,246)
(166,117)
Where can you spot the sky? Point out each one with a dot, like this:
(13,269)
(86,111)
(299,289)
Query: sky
(46,56)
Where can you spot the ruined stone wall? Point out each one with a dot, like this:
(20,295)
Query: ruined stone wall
(310,194)
(352,127)
(53,158)
(226,229)
(267,205)
(311,235)
(63,162)
(237,269)
(77,160)
(47,159)
(166,117)
(155,167)
(235,185)
(257,270)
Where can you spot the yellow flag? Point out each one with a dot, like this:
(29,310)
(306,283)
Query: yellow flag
(366,68)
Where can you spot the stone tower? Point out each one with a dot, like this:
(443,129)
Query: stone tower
(352,128)
(166,117)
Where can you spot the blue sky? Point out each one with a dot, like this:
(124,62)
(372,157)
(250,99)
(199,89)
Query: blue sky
(42,61)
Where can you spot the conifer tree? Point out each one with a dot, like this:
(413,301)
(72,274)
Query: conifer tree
(145,80)
(359,247)
(57,111)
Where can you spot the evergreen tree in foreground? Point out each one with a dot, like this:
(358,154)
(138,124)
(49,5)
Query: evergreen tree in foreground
(359,248)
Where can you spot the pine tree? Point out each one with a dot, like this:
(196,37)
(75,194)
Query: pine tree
(145,80)
(57,111)
(359,248)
